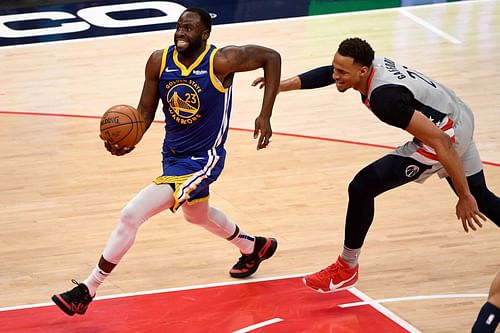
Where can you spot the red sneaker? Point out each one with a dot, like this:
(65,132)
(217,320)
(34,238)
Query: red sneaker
(338,276)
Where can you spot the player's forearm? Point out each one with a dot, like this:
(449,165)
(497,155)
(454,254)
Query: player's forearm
(148,113)
(314,78)
(148,118)
(272,75)
(292,83)
(450,160)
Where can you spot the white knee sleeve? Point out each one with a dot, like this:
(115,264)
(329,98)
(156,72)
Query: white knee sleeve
(150,201)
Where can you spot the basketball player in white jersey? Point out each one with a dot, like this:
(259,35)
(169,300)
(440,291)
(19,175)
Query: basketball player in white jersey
(193,79)
(442,126)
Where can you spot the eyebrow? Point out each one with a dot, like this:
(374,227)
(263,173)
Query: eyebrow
(339,69)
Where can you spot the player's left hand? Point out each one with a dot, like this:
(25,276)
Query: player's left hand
(468,212)
(262,126)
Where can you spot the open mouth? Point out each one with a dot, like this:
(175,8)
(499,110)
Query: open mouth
(181,44)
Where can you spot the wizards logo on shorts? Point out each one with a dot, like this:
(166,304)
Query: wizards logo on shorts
(184,102)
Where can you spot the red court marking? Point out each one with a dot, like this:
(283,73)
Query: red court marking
(222,308)
(310,137)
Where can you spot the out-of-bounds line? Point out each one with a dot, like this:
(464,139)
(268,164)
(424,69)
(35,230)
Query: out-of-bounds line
(411,298)
(158,291)
(258,325)
(309,137)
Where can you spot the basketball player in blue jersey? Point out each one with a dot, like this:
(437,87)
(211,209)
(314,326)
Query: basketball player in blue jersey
(194,82)
(442,126)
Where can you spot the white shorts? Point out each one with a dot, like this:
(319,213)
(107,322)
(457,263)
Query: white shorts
(463,129)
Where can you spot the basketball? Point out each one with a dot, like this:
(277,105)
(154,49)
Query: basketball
(122,125)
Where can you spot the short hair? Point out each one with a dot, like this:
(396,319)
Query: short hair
(205,17)
(358,49)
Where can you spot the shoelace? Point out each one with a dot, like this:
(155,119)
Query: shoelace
(332,269)
(80,293)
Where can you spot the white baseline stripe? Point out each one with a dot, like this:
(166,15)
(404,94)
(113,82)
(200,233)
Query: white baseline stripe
(366,300)
(412,298)
(158,291)
(258,325)
(430,27)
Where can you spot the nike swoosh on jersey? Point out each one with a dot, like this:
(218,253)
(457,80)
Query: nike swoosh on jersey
(170,70)
(196,158)
(334,286)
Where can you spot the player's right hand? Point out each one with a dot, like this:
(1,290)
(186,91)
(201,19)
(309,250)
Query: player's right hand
(468,212)
(115,149)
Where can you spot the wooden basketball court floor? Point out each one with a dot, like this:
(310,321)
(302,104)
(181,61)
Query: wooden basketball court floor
(62,192)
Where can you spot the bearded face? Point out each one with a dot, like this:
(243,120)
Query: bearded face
(190,35)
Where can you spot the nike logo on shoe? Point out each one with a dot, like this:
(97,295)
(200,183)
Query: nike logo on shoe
(334,286)
(250,264)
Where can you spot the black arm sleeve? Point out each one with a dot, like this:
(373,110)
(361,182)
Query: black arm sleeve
(317,78)
(393,104)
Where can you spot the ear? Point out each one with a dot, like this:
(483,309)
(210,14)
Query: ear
(365,70)
(205,35)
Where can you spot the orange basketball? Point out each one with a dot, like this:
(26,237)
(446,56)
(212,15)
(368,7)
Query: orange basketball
(122,125)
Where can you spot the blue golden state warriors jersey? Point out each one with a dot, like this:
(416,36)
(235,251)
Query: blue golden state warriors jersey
(196,105)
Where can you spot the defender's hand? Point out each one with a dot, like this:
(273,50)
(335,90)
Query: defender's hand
(258,81)
(468,212)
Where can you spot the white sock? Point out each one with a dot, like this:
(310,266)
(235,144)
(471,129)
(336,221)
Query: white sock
(350,256)
(243,241)
(94,280)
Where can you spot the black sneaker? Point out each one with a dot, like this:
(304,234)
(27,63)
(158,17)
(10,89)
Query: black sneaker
(75,300)
(248,263)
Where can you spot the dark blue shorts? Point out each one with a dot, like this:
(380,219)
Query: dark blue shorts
(191,175)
